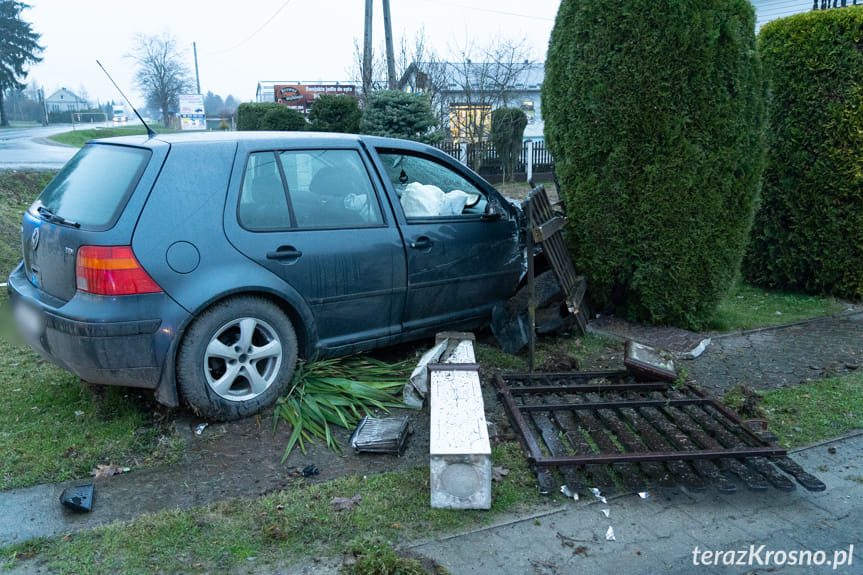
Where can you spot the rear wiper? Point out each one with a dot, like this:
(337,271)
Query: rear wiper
(52,217)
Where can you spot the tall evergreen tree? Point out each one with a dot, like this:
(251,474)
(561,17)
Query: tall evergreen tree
(654,113)
(19,46)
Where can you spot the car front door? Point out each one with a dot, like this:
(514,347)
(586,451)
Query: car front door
(314,218)
(461,239)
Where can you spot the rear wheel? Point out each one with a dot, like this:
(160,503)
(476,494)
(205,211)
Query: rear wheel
(236,358)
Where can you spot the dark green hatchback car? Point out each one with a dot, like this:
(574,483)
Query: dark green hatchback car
(202,266)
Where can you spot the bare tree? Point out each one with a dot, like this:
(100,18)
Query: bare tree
(162,75)
(475,88)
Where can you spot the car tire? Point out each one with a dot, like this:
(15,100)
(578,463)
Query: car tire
(236,358)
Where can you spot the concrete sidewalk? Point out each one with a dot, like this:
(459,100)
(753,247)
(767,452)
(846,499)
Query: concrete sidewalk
(660,534)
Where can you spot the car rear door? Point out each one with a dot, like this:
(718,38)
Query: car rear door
(461,238)
(313,216)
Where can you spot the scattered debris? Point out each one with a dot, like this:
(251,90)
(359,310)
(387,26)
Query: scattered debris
(345,503)
(598,495)
(568,493)
(649,363)
(417,387)
(310,470)
(105,471)
(831,450)
(79,413)
(79,498)
(606,512)
(498,473)
(384,435)
(199,429)
(609,535)
(643,494)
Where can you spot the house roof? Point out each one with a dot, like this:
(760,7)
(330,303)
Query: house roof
(525,76)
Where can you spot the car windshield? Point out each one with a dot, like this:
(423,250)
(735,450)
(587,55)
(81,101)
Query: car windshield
(93,186)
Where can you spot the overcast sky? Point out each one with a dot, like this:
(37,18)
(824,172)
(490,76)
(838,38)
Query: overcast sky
(240,43)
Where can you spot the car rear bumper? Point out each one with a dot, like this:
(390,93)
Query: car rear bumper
(121,340)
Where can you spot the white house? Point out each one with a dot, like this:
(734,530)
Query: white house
(467,92)
(65,101)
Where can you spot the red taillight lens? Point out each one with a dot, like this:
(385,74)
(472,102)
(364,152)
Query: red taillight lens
(111,270)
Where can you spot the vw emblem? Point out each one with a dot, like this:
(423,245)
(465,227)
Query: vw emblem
(34,239)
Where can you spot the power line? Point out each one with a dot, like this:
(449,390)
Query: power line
(488,10)
(255,33)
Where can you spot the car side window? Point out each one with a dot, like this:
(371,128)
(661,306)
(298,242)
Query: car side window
(330,189)
(263,203)
(430,189)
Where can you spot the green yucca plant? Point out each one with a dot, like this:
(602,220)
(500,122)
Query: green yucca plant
(338,392)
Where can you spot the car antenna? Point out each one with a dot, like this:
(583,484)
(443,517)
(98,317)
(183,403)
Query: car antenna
(150,132)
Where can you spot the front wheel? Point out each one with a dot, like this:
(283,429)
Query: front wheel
(236,358)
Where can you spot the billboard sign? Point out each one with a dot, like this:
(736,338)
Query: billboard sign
(299,97)
(192,115)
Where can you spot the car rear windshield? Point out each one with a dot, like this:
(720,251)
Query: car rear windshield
(92,187)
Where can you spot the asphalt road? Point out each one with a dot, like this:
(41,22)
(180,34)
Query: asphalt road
(30,148)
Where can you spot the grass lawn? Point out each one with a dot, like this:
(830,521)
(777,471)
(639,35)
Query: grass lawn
(810,412)
(747,307)
(300,522)
(78,138)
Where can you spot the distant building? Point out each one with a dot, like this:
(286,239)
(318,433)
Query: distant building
(300,95)
(467,92)
(65,101)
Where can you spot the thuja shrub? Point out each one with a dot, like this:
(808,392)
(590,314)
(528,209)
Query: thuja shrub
(808,233)
(654,113)
(269,116)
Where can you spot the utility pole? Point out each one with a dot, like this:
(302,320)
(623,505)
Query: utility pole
(367,51)
(197,78)
(388,33)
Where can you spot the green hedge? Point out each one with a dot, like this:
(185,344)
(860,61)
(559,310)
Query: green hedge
(808,234)
(331,113)
(269,116)
(654,114)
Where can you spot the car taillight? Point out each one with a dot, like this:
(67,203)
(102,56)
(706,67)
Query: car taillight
(111,270)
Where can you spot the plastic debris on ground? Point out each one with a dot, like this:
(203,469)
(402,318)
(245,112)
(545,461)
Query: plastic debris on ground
(199,429)
(598,495)
(384,435)
(643,494)
(310,470)
(606,512)
(609,535)
(78,499)
(568,493)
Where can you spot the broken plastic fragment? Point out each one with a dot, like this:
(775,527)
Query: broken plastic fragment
(310,470)
(79,413)
(609,535)
(644,494)
(598,495)
(200,428)
(606,512)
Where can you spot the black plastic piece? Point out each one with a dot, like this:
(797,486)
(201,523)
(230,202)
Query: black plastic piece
(78,498)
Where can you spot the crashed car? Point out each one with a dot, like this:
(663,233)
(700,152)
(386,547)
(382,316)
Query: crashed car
(203,266)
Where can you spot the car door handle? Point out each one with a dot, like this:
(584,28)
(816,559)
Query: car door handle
(288,253)
(421,243)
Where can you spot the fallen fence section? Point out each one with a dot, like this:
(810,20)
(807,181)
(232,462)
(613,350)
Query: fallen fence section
(604,430)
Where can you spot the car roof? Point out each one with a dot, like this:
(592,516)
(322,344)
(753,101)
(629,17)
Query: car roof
(290,139)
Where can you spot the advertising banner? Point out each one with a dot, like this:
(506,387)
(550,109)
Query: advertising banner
(299,97)
(192,115)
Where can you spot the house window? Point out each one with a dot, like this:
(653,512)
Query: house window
(468,122)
